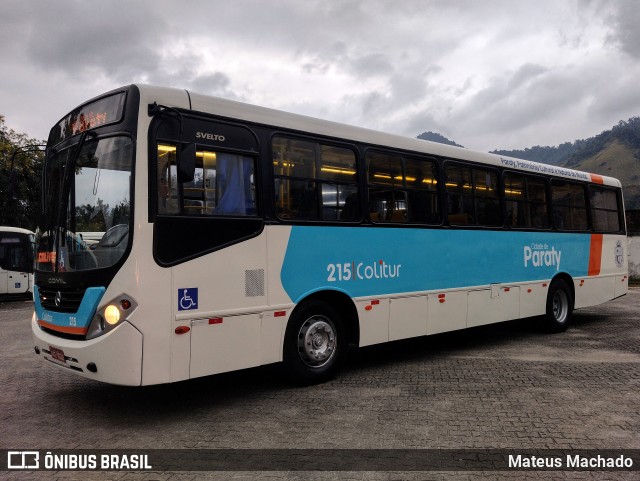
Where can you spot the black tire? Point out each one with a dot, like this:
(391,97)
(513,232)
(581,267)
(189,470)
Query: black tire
(559,306)
(315,344)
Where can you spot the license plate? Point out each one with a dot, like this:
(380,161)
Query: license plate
(57,354)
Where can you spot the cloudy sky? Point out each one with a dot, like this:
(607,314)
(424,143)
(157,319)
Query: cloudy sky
(486,73)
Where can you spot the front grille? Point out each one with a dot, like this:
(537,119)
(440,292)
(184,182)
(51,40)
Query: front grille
(61,299)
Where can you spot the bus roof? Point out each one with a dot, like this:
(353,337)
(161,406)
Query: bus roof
(15,230)
(276,118)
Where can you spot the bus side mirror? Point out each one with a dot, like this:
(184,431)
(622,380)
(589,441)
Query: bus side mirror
(187,163)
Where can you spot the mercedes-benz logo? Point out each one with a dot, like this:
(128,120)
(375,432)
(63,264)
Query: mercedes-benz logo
(58,299)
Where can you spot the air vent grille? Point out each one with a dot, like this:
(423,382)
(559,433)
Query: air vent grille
(254,283)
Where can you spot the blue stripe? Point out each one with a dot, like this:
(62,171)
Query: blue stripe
(376,261)
(81,319)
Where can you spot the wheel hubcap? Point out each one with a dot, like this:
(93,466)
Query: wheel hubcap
(560,306)
(317,341)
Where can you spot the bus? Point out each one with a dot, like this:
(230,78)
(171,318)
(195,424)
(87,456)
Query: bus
(16,261)
(184,235)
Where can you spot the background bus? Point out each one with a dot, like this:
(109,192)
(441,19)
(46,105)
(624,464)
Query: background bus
(16,261)
(237,236)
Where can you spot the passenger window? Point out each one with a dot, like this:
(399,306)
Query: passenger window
(569,205)
(526,201)
(314,181)
(223,184)
(605,212)
(459,195)
(402,190)
(167,180)
(486,198)
(472,196)
(387,205)
(384,169)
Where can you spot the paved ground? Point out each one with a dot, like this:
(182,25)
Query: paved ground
(504,386)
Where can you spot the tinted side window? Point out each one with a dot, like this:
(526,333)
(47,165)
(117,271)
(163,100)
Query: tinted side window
(526,201)
(472,196)
(402,190)
(569,205)
(314,181)
(605,209)
(460,195)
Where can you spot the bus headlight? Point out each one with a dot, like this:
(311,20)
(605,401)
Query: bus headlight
(111,315)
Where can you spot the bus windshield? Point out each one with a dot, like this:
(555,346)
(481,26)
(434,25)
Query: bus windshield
(87,205)
(16,251)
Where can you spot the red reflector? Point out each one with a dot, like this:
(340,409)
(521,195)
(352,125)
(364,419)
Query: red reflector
(375,303)
(182,329)
(507,289)
(544,285)
(367,308)
(441,296)
(215,320)
(582,283)
(529,291)
(279,313)
(126,304)
(442,300)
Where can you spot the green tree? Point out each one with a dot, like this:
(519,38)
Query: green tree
(20,169)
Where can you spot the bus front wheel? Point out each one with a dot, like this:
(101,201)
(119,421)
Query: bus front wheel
(315,344)
(559,306)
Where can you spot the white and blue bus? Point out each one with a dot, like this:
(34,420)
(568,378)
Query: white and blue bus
(184,235)
(16,261)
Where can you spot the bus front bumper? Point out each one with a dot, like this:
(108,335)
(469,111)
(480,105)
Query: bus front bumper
(114,358)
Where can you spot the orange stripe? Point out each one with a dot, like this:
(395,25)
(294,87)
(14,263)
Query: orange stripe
(597,179)
(595,255)
(66,330)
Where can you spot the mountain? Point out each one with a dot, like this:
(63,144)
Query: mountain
(547,155)
(615,158)
(436,137)
(614,152)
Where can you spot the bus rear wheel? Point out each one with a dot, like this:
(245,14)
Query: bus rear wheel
(559,306)
(315,344)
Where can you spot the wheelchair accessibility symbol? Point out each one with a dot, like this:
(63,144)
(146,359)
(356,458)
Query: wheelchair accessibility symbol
(187,298)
